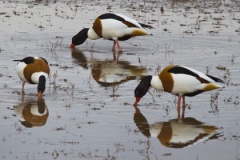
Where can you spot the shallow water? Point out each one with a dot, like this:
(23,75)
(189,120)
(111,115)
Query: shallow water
(88,101)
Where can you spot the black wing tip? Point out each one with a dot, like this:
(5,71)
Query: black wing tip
(221,81)
(216,79)
(146,26)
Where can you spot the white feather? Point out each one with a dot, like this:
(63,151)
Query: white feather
(202,75)
(133,21)
(184,83)
(35,76)
(19,69)
(112,29)
(92,34)
(157,83)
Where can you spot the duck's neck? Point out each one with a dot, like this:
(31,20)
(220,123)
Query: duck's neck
(92,34)
(157,83)
(41,83)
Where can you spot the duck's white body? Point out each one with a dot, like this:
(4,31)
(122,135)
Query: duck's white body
(19,69)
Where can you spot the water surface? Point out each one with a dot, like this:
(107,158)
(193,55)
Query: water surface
(87,108)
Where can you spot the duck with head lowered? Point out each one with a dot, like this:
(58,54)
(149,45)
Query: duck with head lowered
(33,70)
(110,26)
(179,80)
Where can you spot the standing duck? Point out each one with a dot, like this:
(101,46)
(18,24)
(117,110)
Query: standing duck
(179,80)
(33,70)
(116,27)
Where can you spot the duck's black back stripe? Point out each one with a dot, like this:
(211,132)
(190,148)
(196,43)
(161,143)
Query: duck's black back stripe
(27,60)
(111,16)
(182,70)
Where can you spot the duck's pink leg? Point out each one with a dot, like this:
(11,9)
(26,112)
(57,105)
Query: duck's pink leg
(23,83)
(178,107)
(179,102)
(183,103)
(183,107)
(114,44)
(118,45)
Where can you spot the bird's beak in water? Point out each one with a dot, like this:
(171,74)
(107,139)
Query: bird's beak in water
(72,45)
(40,95)
(137,100)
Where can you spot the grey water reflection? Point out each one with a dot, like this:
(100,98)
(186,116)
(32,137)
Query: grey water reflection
(32,113)
(176,133)
(108,72)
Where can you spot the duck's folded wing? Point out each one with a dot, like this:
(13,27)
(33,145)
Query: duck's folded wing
(203,78)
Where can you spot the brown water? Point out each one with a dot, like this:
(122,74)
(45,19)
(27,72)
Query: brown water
(87,107)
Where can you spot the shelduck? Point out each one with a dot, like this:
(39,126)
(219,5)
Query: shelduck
(179,80)
(33,70)
(110,26)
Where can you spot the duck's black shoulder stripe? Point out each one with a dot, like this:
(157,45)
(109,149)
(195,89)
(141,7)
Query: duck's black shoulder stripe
(111,16)
(44,59)
(182,70)
(27,60)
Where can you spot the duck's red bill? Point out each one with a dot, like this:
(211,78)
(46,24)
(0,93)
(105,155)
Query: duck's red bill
(72,46)
(137,100)
(39,95)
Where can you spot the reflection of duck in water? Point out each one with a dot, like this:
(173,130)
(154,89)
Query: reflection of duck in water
(108,72)
(79,58)
(176,133)
(32,114)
